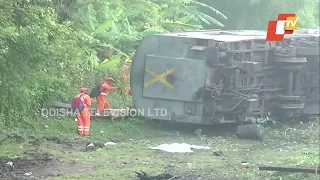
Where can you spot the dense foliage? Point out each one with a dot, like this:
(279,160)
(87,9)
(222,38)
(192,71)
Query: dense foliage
(51,48)
(255,14)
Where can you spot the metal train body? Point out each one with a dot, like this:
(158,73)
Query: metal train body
(211,77)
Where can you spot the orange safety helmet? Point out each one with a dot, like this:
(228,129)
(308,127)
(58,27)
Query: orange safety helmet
(109,79)
(83,90)
(125,67)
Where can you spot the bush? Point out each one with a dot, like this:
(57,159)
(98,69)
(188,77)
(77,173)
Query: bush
(41,60)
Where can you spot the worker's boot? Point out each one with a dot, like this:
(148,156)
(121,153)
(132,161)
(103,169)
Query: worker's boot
(97,113)
(86,131)
(80,132)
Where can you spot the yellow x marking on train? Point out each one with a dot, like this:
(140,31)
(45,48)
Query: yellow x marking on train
(159,77)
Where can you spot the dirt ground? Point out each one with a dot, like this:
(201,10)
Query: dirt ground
(61,154)
(37,163)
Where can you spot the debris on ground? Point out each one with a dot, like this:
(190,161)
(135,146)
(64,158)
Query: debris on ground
(245,164)
(145,176)
(36,165)
(93,146)
(291,169)
(9,163)
(12,167)
(109,143)
(179,148)
(251,131)
(147,163)
(90,145)
(28,174)
(218,153)
(97,145)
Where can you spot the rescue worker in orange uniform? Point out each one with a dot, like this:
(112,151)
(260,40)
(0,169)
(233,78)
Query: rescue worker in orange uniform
(124,78)
(102,100)
(83,117)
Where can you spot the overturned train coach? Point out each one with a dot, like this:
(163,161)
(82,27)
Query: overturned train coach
(211,77)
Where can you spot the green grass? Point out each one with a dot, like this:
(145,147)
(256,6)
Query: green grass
(131,153)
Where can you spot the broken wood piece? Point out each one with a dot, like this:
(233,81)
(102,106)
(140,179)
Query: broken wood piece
(291,169)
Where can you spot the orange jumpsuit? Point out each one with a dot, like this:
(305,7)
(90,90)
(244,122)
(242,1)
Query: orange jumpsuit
(84,116)
(102,98)
(124,78)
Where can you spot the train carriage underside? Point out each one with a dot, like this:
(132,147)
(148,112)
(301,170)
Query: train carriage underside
(211,77)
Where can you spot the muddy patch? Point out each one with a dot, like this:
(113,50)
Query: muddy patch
(38,141)
(35,165)
(19,168)
(70,144)
(78,144)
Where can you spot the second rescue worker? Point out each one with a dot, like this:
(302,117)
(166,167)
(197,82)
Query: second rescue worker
(83,117)
(124,78)
(102,100)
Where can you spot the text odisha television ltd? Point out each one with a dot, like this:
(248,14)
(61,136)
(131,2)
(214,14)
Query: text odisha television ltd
(149,112)
(285,24)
